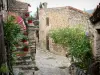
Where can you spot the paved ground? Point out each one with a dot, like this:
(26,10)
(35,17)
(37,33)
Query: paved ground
(51,64)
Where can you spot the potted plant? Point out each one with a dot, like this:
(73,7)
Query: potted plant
(24,39)
(30,20)
(27,14)
(25,48)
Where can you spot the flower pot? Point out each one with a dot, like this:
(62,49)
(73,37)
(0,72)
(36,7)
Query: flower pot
(29,21)
(25,49)
(27,15)
(24,41)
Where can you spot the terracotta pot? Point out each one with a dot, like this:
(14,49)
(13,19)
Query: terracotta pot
(27,15)
(24,41)
(29,21)
(25,49)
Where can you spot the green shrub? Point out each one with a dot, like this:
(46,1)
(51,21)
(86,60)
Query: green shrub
(4,68)
(77,41)
(12,35)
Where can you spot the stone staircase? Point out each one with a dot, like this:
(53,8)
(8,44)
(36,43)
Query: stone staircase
(25,65)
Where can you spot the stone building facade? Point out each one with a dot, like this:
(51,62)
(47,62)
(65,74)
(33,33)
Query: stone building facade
(58,17)
(18,7)
(94,28)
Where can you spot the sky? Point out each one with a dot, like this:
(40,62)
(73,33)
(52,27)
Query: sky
(79,4)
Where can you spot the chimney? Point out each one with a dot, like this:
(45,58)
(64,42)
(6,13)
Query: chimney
(45,5)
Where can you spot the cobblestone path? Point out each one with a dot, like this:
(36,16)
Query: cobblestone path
(51,64)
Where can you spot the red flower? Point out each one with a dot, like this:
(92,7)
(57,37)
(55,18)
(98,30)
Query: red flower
(25,49)
(29,21)
(24,40)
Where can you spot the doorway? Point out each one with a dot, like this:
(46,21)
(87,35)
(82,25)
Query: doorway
(47,42)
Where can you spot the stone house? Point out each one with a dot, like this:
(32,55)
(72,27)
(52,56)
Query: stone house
(58,17)
(17,7)
(94,28)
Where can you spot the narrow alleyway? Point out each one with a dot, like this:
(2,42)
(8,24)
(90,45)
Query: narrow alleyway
(51,64)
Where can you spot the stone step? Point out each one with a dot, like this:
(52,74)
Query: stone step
(28,69)
(24,57)
(24,66)
(23,63)
(23,70)
(32,46)
(32,40)
(26,60)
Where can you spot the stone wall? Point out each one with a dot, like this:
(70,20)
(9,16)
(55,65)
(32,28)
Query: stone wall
(59,17)
(57,49)
(95,38)
(17,7)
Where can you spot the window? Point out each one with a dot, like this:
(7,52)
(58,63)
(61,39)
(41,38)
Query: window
(47,21)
